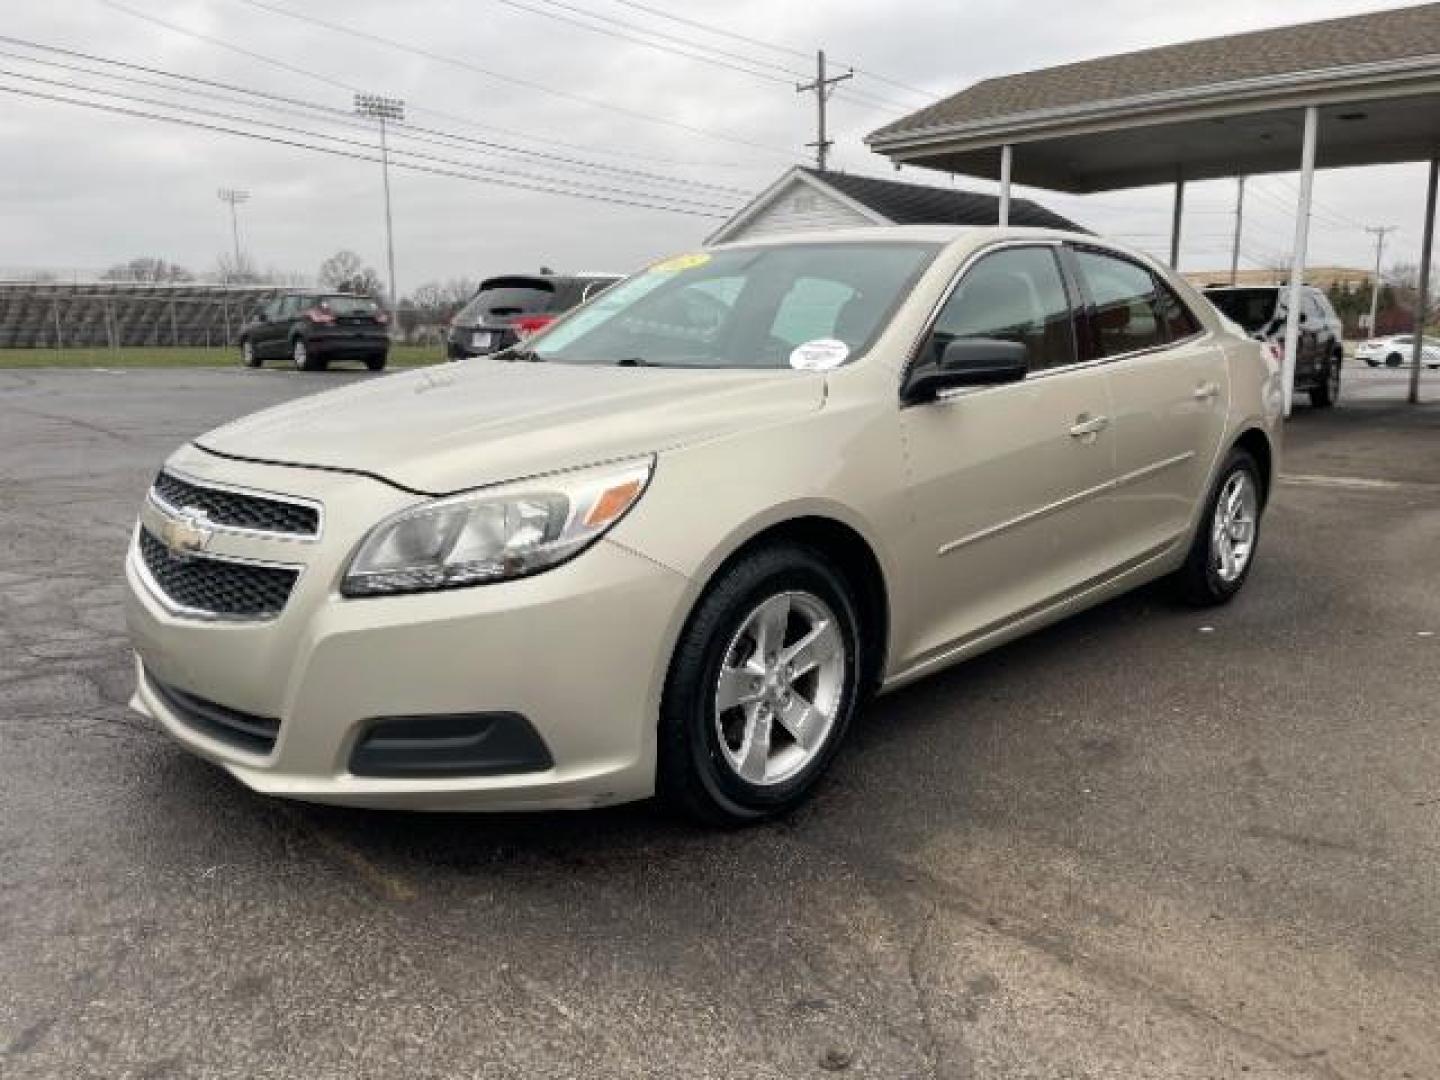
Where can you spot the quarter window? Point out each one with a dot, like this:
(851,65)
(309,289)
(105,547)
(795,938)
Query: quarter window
(1016,295)
(1180,322)
(1124,319)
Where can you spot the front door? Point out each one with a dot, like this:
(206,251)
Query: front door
(1004,480)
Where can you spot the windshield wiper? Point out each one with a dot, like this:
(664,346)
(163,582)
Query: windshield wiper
(633,361)
(515,355)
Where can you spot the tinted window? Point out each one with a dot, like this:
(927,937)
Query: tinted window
(505,298)
(291,306)
(1016,295)
(1124,319)
(1254,309)
(350,305)
(1179,322)
(743,307)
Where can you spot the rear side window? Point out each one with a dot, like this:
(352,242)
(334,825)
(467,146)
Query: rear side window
(1180,322)
(1015,295)
(1125,317)
(1254,309)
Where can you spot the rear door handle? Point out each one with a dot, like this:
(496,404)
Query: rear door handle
(1206,392)
(1092,426)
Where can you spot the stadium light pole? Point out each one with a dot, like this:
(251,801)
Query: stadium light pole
(234,196)
(382,109)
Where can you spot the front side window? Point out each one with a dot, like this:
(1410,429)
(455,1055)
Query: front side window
(760,307)
(1124,318)
(1016,294)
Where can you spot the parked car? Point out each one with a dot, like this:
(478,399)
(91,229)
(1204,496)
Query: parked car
(507,309)
(672,543)
(1261,310)
(1397,350)
(312,329)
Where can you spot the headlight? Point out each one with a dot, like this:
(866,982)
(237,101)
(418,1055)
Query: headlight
(506,532)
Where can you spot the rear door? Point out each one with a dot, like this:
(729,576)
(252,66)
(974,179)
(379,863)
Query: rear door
(1005,480)
(1169,388)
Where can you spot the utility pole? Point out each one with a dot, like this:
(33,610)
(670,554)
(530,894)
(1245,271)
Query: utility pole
(382,109)
(1239,218)
(823,88)
(234,196)
(1379,231)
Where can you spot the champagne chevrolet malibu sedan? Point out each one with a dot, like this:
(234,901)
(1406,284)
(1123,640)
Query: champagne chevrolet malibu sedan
(671,544)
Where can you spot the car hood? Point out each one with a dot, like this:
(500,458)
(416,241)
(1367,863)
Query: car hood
(445,429)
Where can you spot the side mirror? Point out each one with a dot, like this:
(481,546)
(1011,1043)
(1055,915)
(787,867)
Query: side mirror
(973,361)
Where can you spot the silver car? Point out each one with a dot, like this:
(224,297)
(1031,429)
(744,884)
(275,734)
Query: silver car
(673,543)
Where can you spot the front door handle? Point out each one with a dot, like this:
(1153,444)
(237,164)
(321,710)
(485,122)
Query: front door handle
(1088,427)
(1206,392)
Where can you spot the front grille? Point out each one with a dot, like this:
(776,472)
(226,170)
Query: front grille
(242,730)
(237,509)
(217,586)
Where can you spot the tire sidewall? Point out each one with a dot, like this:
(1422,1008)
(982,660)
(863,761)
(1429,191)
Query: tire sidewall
(1218,588)
(301,365)
(688,709)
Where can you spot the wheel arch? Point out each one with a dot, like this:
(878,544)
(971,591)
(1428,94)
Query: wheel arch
(1256,443)
(850,552)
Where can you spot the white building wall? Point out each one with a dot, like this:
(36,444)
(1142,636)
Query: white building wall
(798,206)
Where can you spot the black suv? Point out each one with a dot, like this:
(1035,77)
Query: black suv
(1261,310)
(311,329)
(507,309)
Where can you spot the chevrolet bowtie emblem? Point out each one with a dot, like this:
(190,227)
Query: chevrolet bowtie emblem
(190,532)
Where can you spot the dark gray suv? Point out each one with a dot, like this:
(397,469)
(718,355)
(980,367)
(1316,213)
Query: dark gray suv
(507,309)
(1261,310)
(312,329)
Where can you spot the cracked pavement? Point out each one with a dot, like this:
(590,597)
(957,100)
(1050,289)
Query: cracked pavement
(1147,842)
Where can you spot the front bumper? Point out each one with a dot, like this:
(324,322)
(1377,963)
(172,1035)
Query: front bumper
(327,667)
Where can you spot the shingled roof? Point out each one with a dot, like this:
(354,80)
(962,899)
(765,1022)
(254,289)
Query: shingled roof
(1353,41)
(904,203)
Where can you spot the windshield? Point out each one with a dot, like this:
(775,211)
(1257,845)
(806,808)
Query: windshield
(801,305)
(1254,309)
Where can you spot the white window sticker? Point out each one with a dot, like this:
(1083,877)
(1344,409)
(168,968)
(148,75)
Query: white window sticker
(822,354)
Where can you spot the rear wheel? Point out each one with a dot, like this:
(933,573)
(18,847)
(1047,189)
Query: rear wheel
(377,362)
(761,688)
(302,357)
(1394,360)
(248,356)
(1224,546)
(1326,392)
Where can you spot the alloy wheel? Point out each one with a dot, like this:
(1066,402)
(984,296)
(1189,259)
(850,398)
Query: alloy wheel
(780,688)
(1232,533)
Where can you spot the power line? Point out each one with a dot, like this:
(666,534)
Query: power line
(366,145)
(333,114)
(720,31)
(466,65)
(470,172)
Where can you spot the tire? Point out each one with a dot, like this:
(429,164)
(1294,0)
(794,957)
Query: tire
(1325,393)
(711,764)
(377,362)
(301,357)
(1204,580)
(248,356)
(1394,360)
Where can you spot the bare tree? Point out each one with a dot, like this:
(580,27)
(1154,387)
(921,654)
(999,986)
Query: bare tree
(346,272)
(148,268)
(232,271)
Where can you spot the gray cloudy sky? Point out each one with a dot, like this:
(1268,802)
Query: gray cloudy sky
(81,189)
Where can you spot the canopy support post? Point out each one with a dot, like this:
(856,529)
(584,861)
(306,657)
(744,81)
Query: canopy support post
(1297,257)
(1006,153)
(1175,220)
(1422,299)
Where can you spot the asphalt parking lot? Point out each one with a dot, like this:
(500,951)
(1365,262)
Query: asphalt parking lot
(1147,842)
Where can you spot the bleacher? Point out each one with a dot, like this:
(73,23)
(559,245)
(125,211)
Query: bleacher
(42,315)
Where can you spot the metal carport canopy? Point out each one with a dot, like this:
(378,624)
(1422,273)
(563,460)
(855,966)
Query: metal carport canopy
(1242,105)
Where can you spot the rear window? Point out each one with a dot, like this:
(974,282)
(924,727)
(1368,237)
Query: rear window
(349,305)
(504,298)
(1254,309)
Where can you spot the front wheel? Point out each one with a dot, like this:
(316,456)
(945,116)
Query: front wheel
(1224,546)
(1394,360)
(761,688)
(1326,392)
